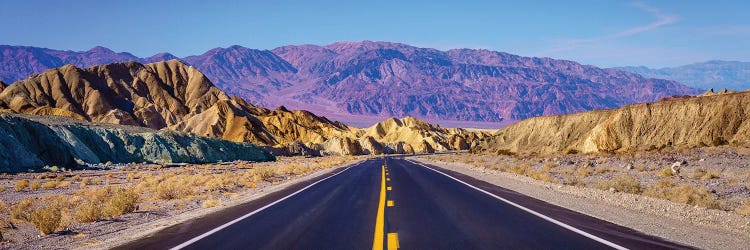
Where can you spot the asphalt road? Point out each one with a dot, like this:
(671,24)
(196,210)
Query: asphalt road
(401,204)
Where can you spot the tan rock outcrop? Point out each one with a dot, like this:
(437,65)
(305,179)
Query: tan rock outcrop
(342,146)
(676,123)
(155,95)
(371,146)
(422,137)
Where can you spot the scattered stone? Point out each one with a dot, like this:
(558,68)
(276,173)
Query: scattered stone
(629,166)
(676,166)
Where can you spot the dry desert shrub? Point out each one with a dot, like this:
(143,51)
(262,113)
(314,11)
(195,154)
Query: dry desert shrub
(121,201)
(88,211)
(49,214)
(543,175)
(105,203)
(47,218)
(172,188)
(64,184)
(517,169)
(49,185)
(210,203)
(583,171)
(20,211)
(21,185)
(293,168)
(665,172)
(682,193)
(548,166)
(640,167)
(604,170)
(621,183)
(35,185)
(572,180)
(85,182)
(701,174)
(744,209)
(265,173)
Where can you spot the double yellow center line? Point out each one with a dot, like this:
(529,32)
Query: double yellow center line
(379,239)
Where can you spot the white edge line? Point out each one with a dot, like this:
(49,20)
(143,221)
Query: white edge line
(206,234)
(566,226)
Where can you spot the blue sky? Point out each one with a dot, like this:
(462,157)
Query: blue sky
(603,33)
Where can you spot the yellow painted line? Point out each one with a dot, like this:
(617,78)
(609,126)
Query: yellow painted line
(389,188)
(393,241)
(390,203)
(377,242)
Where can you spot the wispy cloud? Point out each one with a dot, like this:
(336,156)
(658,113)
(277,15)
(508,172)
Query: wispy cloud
(662,19)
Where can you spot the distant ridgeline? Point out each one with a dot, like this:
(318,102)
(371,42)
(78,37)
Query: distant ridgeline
(716,74)
(381,79)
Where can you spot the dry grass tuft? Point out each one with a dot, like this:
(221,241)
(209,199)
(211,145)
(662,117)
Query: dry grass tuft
(64,184)
(621,183)
(701,174)
(88,211)
(172,188)
(48,218)
(744,209)
(121,201)
(21,185)
(49,185)
(682,193)
(210,203)
(20,211)
(583,171)
(35,185)
(665,172)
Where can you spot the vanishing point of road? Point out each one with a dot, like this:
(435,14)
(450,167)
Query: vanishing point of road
(393,202)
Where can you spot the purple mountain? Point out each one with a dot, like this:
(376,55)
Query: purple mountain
(361,82)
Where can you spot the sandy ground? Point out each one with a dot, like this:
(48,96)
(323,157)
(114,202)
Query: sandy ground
(152,214)
(687,224)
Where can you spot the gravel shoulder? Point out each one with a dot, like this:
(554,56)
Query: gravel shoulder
(691,225)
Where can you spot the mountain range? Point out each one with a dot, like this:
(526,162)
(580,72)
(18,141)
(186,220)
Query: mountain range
(361,83)
(170,95)
(715,74)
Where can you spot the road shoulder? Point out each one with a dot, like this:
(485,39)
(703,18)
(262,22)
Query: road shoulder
(632,211)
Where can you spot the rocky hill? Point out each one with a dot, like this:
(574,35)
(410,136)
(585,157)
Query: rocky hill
(172,95)
(705,75)
(31,142)
(351,80)
(419,136)
(709,120)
